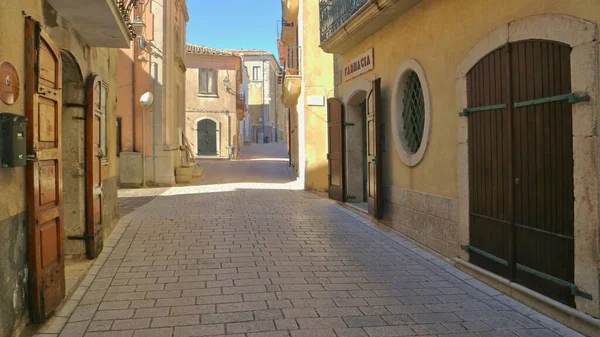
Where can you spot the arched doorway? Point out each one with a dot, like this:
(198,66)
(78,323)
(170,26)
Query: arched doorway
(207,137)
(73,154)
(521,165)
(356,149)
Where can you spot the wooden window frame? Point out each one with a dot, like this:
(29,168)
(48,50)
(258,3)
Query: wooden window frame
(103,101)
(214,73)
(260,76)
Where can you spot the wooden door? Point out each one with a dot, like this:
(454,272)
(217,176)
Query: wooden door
(43,81)
(543,168)
(521,166)
(335,155)
(207,137)
(96,98)
(374,118)
(490,157)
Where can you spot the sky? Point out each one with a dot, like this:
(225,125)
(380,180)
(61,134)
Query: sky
(234,24)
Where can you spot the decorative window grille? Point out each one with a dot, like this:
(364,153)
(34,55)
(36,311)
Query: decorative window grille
(414,112)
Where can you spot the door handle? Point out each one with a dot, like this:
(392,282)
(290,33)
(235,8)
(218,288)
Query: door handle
(517,180)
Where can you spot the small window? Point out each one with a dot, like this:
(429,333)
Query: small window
(414,112)
(256,73)
(208,81)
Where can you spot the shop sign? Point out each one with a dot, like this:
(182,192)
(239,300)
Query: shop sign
(359,65)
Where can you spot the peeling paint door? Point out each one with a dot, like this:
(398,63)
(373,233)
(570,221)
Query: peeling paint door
(96,98)
(374,160)
(335,155)
(44,171)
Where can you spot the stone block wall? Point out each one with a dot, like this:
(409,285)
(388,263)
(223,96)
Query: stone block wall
(428,219)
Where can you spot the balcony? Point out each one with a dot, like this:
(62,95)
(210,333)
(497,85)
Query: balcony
(289,10)
(101,23)
(292,64)
(240,106)
(288,33)
(358,18)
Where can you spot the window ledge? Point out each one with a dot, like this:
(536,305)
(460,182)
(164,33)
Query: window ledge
(208,95)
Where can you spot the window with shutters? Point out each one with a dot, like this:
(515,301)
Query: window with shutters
(256,73)
(208,82)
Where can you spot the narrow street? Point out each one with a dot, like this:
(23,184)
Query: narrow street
(246,254)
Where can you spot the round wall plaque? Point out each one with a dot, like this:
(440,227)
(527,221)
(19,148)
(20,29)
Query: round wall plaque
(9,83)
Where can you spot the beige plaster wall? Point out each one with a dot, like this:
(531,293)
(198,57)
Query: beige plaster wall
(317,79)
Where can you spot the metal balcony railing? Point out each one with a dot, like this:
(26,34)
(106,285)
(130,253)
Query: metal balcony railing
(293,60)
(333,14)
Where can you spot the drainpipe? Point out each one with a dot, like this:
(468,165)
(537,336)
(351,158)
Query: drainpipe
(262,109)
(133,100)
(153,78)
(229,149)
(143,148)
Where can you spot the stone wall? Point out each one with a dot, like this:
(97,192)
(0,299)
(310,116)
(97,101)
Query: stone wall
(13,274)
(428,219)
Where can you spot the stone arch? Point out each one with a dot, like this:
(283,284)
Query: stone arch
(73,153)
(355,140)
(581,35)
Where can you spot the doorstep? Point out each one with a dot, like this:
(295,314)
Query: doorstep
(554,310)
(566,315)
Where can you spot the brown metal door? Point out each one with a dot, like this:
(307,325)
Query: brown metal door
(335,125)
(96,97)
(374,190)
(543,146)
(521,166)
(44,171)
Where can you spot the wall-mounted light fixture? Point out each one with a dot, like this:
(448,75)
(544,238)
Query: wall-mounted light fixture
(126,8)
(138,27)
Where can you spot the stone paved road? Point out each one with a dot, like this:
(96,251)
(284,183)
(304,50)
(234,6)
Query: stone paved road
(257,259)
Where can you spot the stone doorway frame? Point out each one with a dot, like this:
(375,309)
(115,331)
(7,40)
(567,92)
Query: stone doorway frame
(581,35)
(74,160)
(218,124)
(352,100)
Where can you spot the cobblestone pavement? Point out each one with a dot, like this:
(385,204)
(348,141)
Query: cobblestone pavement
(259,259)
(132,199)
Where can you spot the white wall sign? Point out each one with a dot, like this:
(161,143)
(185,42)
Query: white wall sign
(359,65)
(315,100)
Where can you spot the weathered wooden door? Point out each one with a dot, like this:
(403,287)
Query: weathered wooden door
(335,155)
(521,166)
(43,81)
(96,98)
(207,137)
(374,160)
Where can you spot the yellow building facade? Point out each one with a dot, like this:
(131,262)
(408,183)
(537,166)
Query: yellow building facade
(449,57)
(306,85)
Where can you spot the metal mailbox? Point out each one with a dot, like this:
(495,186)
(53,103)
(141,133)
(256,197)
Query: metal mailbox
(13,146)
